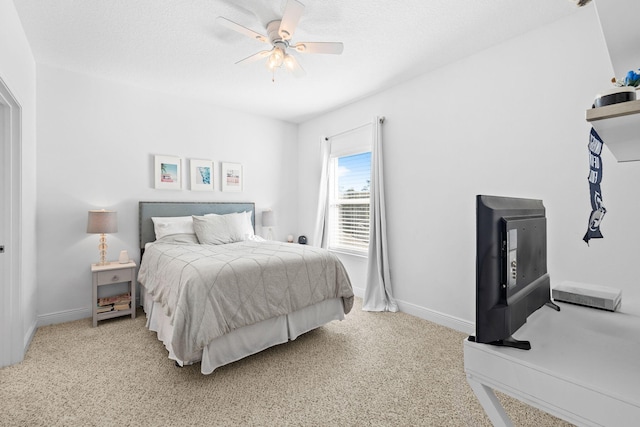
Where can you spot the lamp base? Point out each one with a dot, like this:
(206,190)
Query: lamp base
(102,247)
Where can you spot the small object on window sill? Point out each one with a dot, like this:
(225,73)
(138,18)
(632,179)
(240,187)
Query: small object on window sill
(302,240)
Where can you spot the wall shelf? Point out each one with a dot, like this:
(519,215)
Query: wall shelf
(619,127)
(619,124)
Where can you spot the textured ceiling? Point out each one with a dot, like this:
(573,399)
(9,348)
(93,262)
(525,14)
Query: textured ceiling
(177,46)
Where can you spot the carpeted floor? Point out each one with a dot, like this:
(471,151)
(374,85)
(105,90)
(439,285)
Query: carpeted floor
(372,369)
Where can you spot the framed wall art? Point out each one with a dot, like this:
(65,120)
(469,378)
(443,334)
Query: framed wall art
(201,172)
(168,173)
(231,177)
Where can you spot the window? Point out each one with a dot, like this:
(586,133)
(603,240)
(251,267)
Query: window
(349,196)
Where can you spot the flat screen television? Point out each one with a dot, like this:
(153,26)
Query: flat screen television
(511,267)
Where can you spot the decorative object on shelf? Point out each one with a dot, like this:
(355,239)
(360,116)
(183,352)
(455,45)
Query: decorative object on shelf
(615,95)
(624,90)
(632,79)
(290,238)
(168,173)
(124,257)
(302,240)
(595,177)
(269,221)
(102,222)
(201,175)
(232,177)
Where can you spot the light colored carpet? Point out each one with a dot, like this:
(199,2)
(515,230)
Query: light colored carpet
(372,369)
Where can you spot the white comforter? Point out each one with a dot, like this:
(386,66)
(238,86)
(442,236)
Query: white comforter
(209,290)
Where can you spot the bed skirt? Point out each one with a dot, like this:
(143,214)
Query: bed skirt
(245,341)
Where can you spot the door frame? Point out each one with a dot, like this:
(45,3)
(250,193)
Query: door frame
(12,325)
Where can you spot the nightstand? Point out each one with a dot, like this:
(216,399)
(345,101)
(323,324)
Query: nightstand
(109,274)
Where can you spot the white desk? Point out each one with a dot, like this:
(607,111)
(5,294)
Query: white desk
(583,367)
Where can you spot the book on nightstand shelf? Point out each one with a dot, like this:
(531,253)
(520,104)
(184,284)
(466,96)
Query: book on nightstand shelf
(104,309)
(116,303)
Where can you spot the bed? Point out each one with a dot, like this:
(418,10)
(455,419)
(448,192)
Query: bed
(215,293)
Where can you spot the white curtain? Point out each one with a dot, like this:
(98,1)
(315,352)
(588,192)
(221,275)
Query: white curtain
(320,232)
(377,294)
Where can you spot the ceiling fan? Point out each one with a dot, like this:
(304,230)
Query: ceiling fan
(279,35)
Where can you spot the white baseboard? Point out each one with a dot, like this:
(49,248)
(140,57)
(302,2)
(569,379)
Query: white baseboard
(443,319)
(64,316)
(359,292)
(67,316)
(29,336)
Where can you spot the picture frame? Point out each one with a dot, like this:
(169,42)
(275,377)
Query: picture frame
(232,179)
(202,175)
(168,172)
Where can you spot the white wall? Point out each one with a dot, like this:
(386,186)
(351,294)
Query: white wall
(17,70)
(97,139)
(507,121)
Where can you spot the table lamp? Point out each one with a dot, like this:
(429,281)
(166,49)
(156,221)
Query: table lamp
(269,221)
(102,222)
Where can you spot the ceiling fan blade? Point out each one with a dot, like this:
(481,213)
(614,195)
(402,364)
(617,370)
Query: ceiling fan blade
(242,30)
(319,47)
(292,12)
(255,57)
(293,66)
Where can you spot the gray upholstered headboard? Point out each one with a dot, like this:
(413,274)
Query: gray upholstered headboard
(147,210)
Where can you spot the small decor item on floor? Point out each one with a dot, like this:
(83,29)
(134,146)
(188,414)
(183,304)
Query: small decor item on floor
(595,177)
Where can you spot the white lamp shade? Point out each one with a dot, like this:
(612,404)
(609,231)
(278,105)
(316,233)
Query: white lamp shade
(268,219)
(102,222)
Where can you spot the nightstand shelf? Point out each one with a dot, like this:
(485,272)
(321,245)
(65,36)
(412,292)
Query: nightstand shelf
(110,274)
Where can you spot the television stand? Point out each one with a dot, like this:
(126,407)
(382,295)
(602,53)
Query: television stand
(553,305)
(509,342)
(513,343)
(584,368)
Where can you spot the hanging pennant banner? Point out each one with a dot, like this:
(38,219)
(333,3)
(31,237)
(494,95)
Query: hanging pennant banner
(595,177)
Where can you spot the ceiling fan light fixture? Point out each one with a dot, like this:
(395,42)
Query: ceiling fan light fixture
(300,47)
(276,58)
(289,62)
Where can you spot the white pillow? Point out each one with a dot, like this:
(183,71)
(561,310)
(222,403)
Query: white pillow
(165,226)
(247,226)
(242,222)
(186,238)
(217,229)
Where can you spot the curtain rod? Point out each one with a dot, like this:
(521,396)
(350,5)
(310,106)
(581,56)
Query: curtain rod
(326,138)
